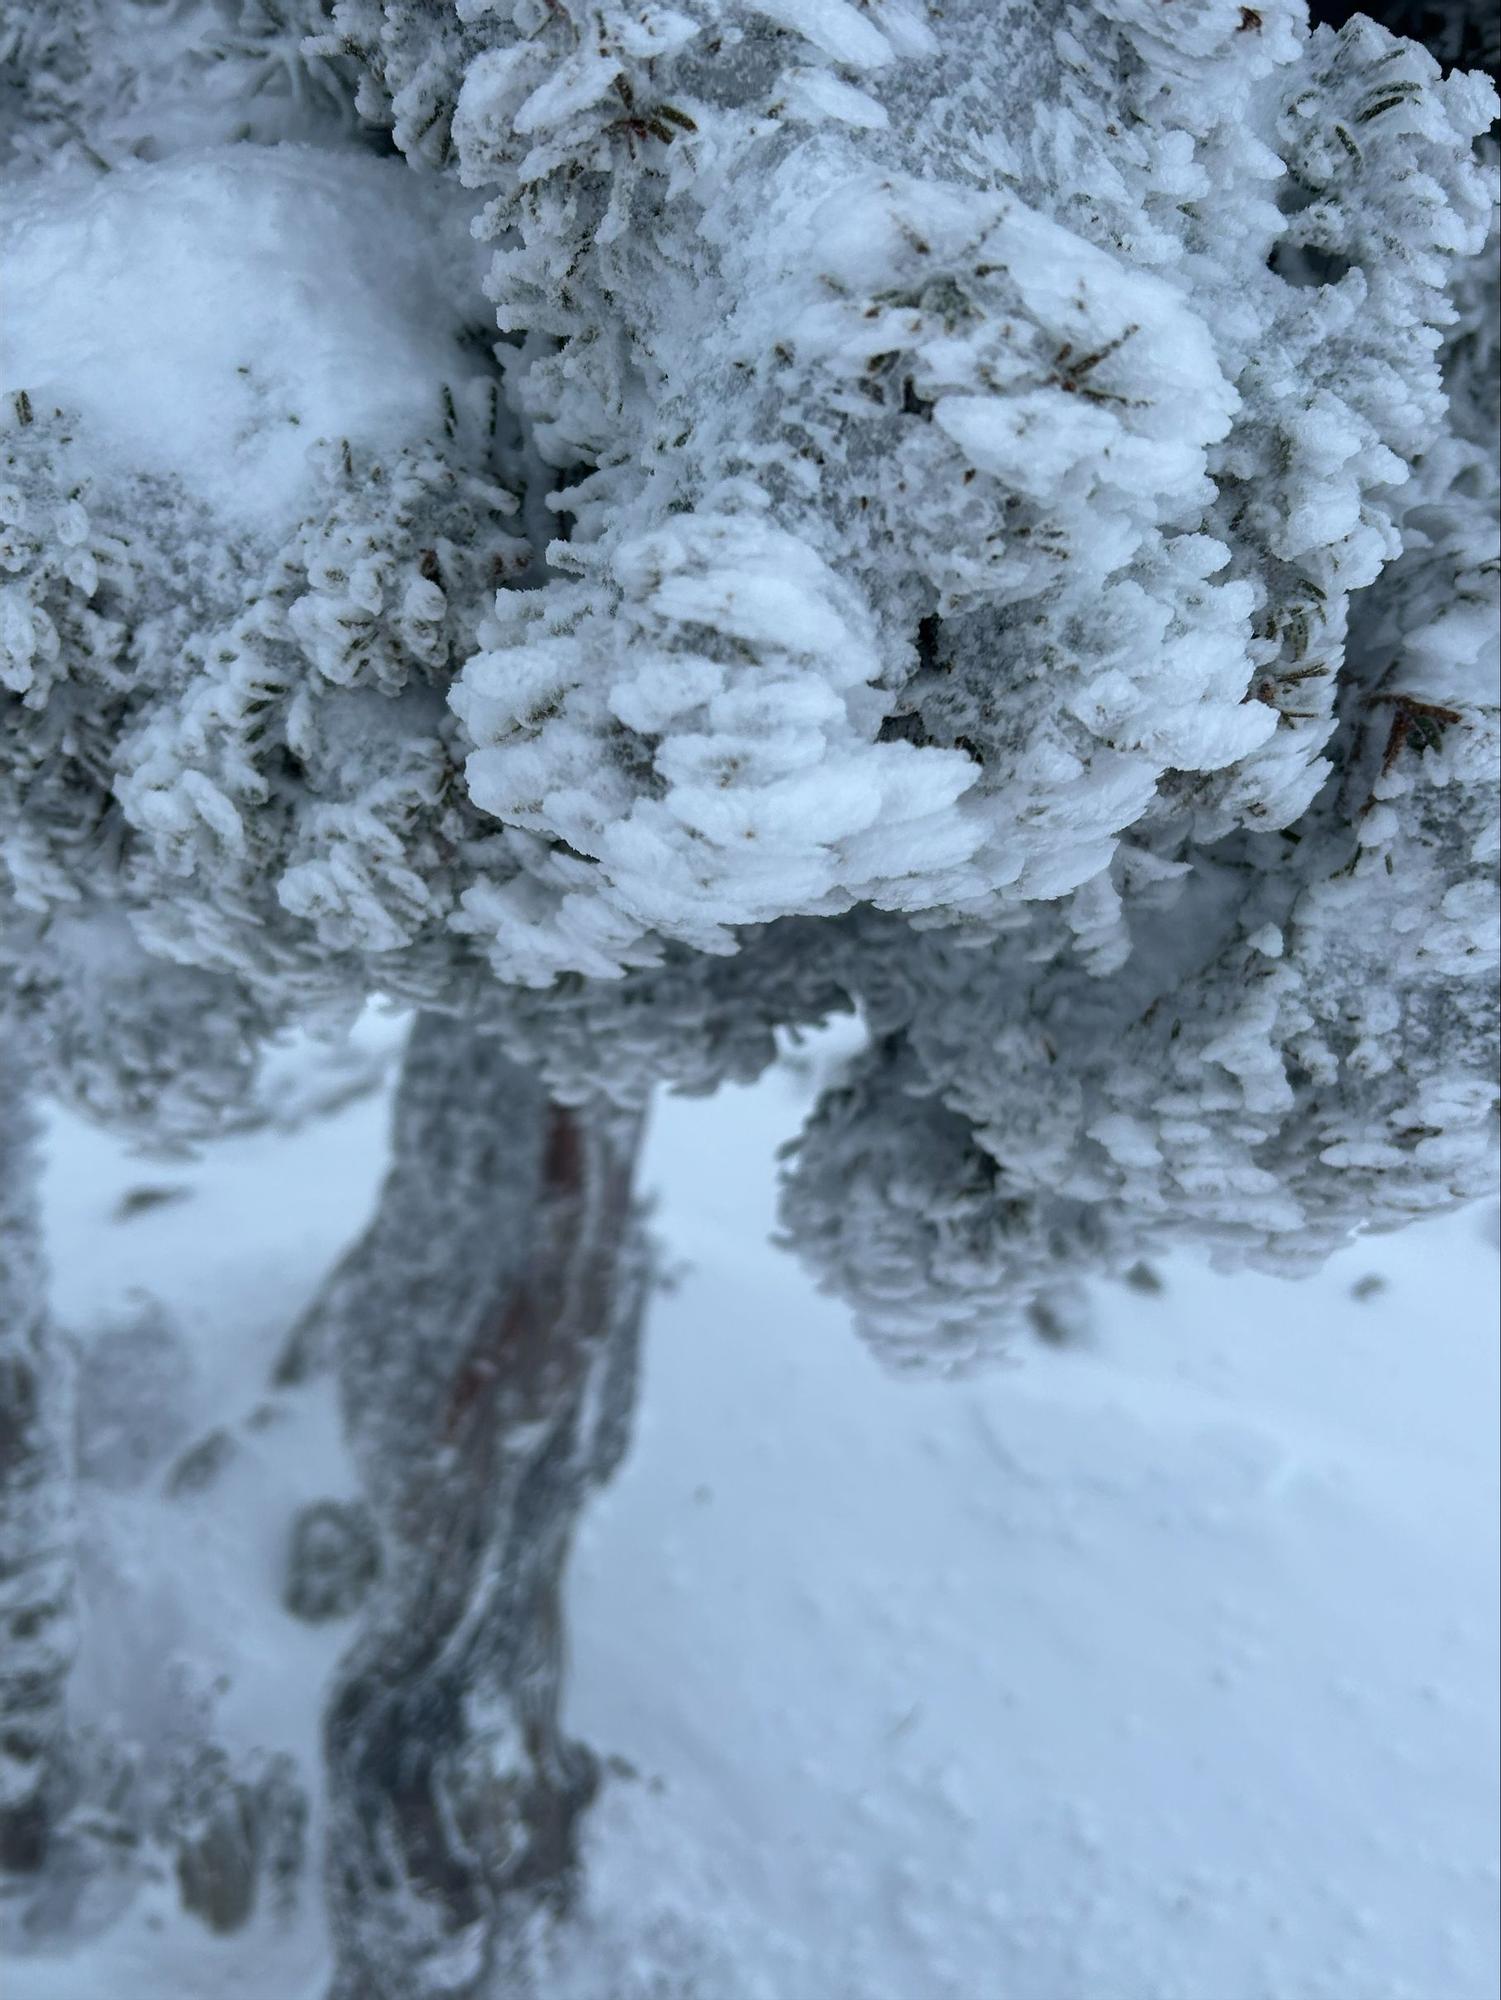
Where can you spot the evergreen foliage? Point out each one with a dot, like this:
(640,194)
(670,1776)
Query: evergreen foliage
(987,521)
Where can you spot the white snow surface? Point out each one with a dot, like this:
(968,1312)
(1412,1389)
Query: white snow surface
(210,317)
(1160,1669)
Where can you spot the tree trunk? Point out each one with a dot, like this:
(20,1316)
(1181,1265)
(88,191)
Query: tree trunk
(486,1346)
(37,1626)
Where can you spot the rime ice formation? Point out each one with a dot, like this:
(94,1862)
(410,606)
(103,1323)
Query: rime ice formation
(249,526)
(986,518)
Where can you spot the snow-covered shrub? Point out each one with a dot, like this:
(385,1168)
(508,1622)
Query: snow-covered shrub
(1014,484)
(984,519)
(982,516)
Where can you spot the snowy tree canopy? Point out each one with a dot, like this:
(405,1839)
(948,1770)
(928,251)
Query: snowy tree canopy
(988,518)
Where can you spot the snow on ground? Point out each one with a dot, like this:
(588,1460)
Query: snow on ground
(1163,1669)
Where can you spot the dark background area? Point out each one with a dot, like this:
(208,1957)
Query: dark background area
(1462,34)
